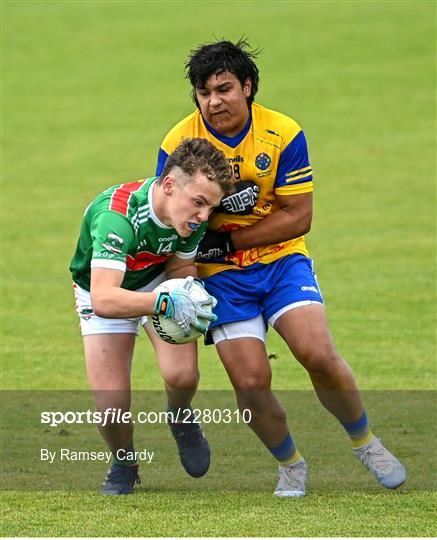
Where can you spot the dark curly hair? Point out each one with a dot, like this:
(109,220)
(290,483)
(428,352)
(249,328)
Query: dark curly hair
(214,58)
(193,155)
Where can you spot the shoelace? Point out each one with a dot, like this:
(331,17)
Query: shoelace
(188,436)
(377,456)
(289,478)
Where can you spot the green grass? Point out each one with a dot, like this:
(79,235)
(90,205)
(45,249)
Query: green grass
(88,91)
(238,460)
(230,514)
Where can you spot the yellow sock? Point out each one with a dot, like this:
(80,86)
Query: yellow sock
(295,456)
(365,439)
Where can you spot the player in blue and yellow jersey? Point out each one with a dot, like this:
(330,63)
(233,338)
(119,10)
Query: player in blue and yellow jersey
(133,237)
(254,260)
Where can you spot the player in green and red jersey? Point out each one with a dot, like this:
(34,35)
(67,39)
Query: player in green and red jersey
(133,237)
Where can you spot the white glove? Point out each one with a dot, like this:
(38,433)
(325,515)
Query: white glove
(183,309)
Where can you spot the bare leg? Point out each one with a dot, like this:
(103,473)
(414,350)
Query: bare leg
(246,362)
(108,362)
(306,332)
(178,367)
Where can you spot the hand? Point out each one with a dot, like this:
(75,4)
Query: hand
(201,304)
(179,306)
(214,245)
(243,201)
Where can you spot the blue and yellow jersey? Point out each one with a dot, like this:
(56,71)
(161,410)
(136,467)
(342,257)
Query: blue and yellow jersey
(269,157)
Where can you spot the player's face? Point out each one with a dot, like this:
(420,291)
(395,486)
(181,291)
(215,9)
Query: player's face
(223,103)
(191,203)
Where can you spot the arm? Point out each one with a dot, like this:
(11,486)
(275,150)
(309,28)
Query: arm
(293,192)
(109,300)
(293,219)
(180,268)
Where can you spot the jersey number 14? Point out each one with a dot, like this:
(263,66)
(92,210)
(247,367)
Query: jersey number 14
(164,248)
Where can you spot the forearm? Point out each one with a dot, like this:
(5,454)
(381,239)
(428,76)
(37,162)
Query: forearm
(118,303)
(278,227)
(181,271)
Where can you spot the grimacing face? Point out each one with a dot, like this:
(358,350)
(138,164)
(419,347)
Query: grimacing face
(223,103)
(190,201)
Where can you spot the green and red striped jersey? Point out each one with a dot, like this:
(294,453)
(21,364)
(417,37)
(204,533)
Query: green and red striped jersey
(120,230)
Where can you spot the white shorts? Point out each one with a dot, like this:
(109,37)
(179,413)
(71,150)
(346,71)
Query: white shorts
(90,323)
(255,328)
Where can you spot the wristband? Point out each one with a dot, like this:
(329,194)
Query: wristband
(161,304)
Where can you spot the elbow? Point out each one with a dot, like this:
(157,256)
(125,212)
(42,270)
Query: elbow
(299,221)
(100,306)
(305,225)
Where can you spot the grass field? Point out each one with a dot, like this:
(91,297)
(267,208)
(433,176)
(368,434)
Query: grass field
(88,91)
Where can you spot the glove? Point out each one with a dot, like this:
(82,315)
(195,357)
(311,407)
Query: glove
(184,310)
(214,245)
(243,201)
(201,304)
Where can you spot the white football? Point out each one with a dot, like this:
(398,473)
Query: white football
(167,329)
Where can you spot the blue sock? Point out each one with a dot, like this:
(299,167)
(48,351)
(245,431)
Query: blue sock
(286,452)
(358,431)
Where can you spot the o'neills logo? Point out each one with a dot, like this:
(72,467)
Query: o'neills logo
(160,330)
(236,159)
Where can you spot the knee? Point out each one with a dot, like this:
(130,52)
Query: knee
(256,381)
(112,399)
(182,380)
(322,360)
